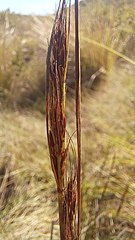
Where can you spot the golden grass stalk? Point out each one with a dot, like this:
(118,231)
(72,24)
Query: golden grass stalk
(57,60)
(109,49)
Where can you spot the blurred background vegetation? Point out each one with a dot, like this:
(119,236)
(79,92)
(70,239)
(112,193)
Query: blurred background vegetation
(28,206)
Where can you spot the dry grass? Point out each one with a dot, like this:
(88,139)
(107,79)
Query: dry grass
(57,61)
(106,31)
(29,198)
(23,146)
(108,131)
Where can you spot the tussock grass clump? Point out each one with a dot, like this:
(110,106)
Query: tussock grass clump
(106,31)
